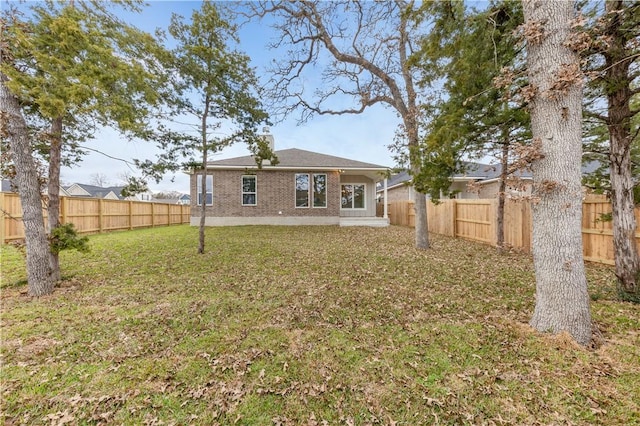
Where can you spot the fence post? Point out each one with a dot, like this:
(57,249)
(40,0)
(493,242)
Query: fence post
(493,215)
(63,209)
(100,216)
(130,215)
(454,221)
(2,218)
(153,214)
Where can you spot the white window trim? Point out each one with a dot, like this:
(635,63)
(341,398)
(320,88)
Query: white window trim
(199,191)
(242,193)
(365,196)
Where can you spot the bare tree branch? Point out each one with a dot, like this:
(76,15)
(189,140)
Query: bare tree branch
(362,49)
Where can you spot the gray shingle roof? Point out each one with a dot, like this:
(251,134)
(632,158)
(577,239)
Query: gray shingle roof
(100,192)
(299,158)
(482,172)
(6,186)
(476,171)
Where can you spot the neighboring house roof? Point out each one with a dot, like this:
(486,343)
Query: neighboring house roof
(593,165)
(473,172)
(180,200)
(482,173)
(8,187)
(84,190)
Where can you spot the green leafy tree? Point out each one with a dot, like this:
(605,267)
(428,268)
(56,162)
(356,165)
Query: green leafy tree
(215,86)
(610,49)
(75,66)
(479,61)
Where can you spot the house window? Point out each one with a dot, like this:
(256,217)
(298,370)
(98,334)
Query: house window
(209,198)
(353,196)
(319,190)
(249,192)
(311,187)
(302,190)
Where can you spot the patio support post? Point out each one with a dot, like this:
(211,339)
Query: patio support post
(386,205)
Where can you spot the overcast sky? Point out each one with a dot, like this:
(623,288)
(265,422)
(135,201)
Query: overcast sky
(362,137)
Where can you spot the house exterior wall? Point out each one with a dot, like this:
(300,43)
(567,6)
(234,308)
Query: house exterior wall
(486,191)
(489,190)
(464,193)
(400,193)
(275,199)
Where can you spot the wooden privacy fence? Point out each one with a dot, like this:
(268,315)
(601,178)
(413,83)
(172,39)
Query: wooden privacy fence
(476,220)
(94,215)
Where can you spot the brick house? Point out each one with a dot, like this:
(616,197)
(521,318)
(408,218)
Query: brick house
(304,188)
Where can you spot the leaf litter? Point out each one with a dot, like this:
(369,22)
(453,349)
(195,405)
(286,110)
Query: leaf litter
(307,325)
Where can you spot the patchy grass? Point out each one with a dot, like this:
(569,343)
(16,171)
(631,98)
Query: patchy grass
(305,325)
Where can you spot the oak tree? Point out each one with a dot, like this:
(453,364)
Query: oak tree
(562,301)
(363,51)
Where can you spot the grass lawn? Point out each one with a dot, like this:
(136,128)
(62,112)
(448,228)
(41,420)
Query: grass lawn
(305,325)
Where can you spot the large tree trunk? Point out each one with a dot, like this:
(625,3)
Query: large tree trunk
(562,301)
(203,206)
(38,269)
(421,228)
(504,173)
(618,89)
(55,158)
(624,220)
(420,202)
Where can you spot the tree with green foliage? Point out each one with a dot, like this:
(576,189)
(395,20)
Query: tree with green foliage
(611,51)
(216,86)
(555,79)
(75,67)
(479,61)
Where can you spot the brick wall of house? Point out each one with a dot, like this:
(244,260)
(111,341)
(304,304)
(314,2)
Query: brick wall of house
(275,194)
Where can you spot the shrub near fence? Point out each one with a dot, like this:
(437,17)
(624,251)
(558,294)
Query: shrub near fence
(476,220)
(94,215)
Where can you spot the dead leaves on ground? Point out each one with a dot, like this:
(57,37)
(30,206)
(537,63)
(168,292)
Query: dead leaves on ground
(313,325)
